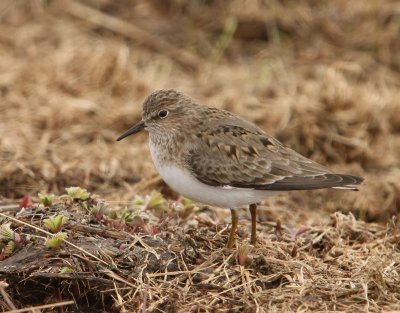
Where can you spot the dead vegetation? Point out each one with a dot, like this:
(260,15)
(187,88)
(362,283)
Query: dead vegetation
(321,76)
(175,266)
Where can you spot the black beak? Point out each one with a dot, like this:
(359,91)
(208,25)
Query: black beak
(133,130)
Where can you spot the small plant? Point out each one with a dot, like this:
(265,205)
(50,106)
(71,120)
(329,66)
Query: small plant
(66,270)
(55,223)
(7,234)
(56,241)
(138,203)
(77,193)
(135,218)
(9,240)
(99,210)
(243,255)
(128,215)
(46,200)
(132,218)
(156,201)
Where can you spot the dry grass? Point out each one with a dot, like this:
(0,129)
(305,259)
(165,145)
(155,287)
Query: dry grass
(321,76)
(344,265)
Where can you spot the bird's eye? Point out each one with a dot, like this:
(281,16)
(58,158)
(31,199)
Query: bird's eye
(163,114)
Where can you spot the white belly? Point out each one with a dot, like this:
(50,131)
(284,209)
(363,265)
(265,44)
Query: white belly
(184,183)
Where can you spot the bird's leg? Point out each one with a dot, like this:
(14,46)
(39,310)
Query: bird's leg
(232,233)
(253,212)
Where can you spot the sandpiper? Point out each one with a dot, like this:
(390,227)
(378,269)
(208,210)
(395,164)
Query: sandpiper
(215,157)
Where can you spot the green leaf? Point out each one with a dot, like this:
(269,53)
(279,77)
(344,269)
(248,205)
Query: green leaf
(156,201)
(78,193)
(138,202)
(6,233)
(46,200)
(55,222)
(56,241)
(66,270)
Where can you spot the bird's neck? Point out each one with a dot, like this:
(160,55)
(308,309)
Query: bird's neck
(167,148)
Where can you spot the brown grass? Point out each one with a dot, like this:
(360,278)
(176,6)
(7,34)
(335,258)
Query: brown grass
(321,76)
(344,265)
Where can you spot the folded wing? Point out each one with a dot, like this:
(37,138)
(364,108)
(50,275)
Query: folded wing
(240,155)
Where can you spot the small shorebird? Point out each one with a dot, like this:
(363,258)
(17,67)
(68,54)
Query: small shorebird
(215,157)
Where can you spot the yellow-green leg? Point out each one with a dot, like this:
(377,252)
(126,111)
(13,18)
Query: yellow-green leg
(253,212)
(234,225)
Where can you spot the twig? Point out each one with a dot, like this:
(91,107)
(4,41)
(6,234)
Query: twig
(120,300)
(5,295)
(97,231)
(40,307)
(236,287)
(133,32)
(105,270)
(118,278)
(9,207)
(174,273)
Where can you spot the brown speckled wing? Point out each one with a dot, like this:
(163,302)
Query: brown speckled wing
(241,155)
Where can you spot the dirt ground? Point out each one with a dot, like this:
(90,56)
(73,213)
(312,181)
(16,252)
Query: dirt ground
(321,76)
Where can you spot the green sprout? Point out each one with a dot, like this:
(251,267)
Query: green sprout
(66,270)
(156,201)
(56,241)
(103,211)
(77,193)
(100,208)
(129,215)
(112,214)
(7,234)
(135,218)
(138,202)
(46,200)
(54,223)
(185,202)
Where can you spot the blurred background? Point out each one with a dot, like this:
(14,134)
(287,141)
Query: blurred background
(321,76)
